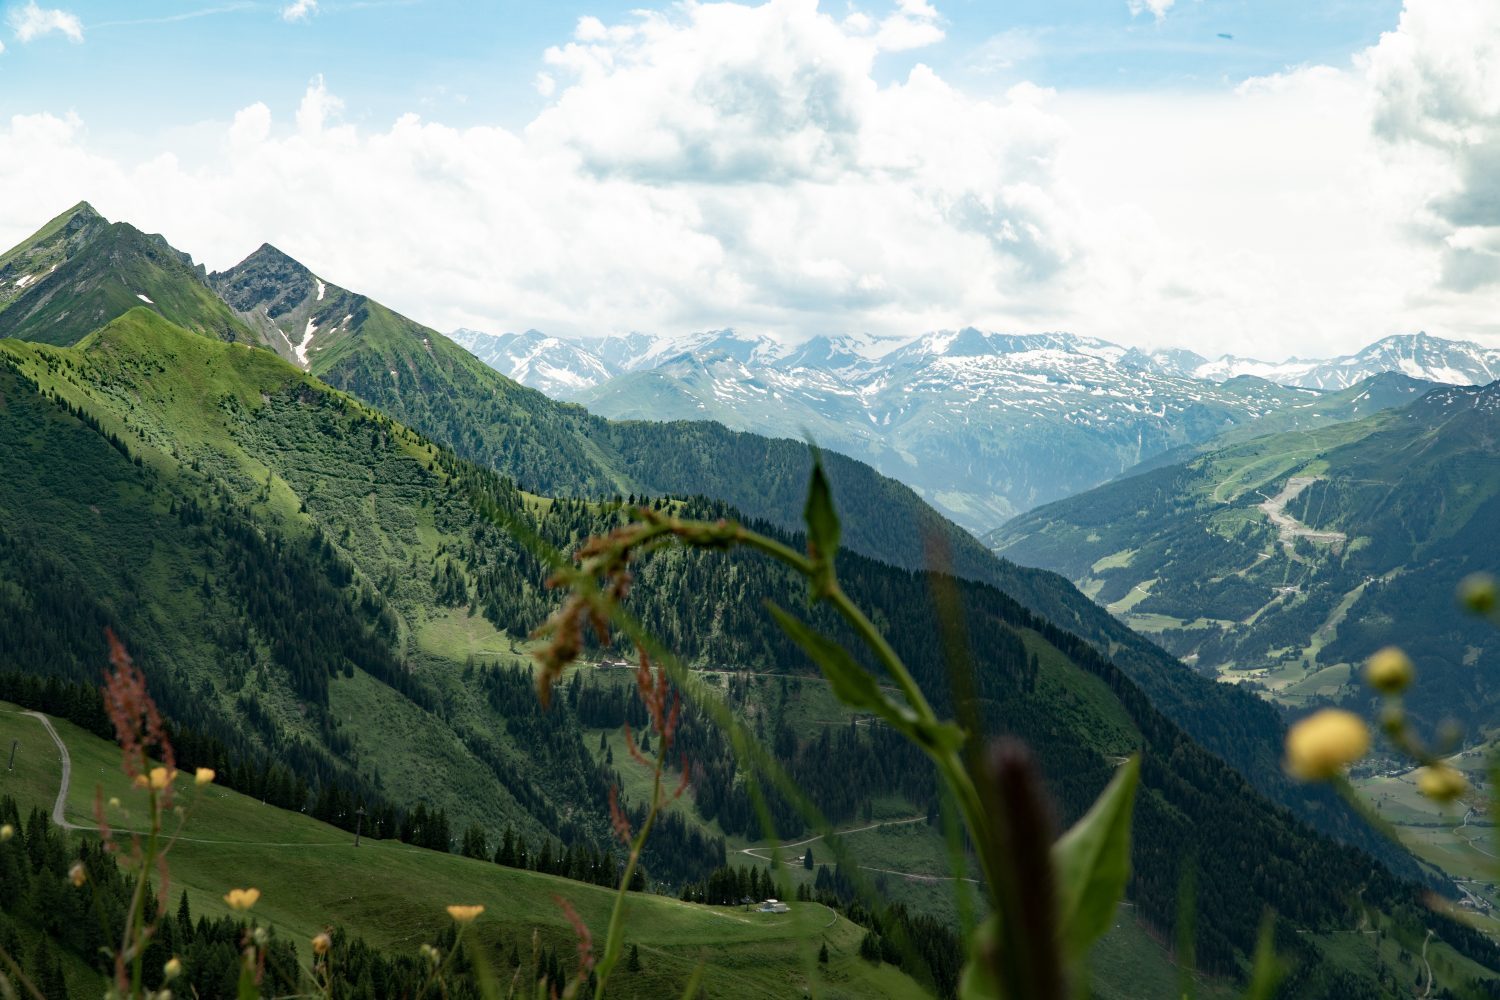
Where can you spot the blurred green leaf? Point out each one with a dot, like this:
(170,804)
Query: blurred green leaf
(1093,863)
(822,520)
(856,687)
(1267,972)
(977,981)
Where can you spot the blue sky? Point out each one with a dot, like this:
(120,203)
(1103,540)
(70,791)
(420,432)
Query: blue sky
(1262,177)
(156,65)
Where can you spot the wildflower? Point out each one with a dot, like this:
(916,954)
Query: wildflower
(6,832)
(173,968)
(1441,783)
(241,899)
(114,802)
(1389,671)
(430,953)
(1321,745)
(321,944)
(203,776)
(1477,593)
(465,914)
(161,777)
(78,874)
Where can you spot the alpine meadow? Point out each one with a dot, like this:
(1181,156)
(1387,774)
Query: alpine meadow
(914,499)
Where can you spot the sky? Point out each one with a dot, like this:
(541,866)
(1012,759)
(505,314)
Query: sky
(1257,177)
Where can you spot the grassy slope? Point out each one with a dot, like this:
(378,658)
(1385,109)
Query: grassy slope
(87,272)
(393,895)
(169,394)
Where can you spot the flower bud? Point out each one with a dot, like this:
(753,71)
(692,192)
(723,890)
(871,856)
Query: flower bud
(1323,744)
(1441,783)
(1477,593)
(173,968)
(6,832)
(321,943)
(203,776)
(1389,671)
(78,874)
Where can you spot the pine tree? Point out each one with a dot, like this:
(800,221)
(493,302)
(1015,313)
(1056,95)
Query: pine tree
(634,965)
(823,954)
(807,860)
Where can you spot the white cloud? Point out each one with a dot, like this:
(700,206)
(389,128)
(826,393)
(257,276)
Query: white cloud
(1436,84)
(724,164)
(1158,8)
(545,84)
(299,10)
(32,22)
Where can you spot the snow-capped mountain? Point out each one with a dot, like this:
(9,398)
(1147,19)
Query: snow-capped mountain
(557,367)
(985,425)
(1454,362)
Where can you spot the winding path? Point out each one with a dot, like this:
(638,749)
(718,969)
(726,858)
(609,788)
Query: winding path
(911,876)
(59,805)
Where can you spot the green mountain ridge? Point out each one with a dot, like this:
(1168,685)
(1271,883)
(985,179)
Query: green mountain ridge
(81,271)
(1285,561)
(291,567)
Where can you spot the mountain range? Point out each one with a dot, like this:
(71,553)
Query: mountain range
(292,504)
(982,425)
(1282,562)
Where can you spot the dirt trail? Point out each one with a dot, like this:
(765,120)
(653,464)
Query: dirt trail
(59,806)
(759,853)
(1288,528)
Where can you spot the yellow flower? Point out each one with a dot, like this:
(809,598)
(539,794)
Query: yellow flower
(203,776)
(114,802)
(321,944)
(173,968)
(1477,593)
(1389,671)
(78,874)
(1441,783)
(465,914)
(1324,743)
(161,777)
(241,899)
(6,832)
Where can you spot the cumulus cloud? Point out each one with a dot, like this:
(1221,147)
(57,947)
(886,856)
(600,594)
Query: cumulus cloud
(1158,8)
(1436,85)
(32,22)
(744,165)
(299,10)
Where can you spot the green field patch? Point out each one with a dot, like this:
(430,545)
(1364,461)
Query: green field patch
(1117,560)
